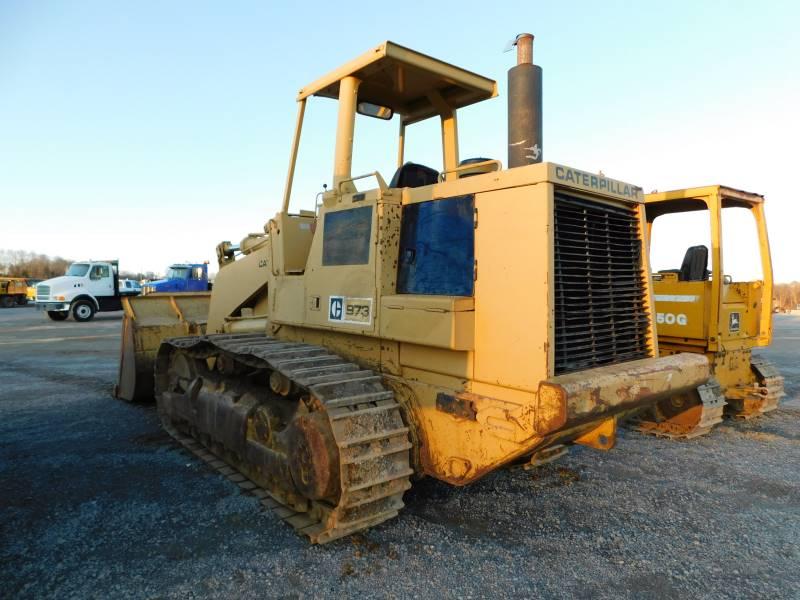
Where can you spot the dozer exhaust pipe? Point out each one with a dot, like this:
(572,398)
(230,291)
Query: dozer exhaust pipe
(524,107)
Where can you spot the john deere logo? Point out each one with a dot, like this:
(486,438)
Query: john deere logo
(336,308)
(733,322)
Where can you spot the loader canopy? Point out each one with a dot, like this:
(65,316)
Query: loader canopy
(405,81)
(390,79)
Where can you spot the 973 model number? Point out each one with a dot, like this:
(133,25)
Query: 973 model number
(342,309)
(358,311)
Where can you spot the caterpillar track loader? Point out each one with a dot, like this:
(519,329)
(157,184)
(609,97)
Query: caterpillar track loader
(706,312)
(447,323)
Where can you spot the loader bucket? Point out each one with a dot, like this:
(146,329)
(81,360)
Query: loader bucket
(147,321)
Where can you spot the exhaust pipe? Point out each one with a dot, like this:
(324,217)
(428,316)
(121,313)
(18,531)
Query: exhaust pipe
(524,106)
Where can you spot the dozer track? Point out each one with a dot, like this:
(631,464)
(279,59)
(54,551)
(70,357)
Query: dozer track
(686,415)
(321,437)
(760,398)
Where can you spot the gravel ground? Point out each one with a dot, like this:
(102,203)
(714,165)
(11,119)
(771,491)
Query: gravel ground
(97,502)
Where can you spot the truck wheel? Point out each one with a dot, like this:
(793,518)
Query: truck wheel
(6,301)
(83,311)
(22,300)
(57,315)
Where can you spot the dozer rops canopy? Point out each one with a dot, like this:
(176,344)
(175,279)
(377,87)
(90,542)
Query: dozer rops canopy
(404,80)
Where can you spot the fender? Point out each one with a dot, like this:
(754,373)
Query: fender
(89,297)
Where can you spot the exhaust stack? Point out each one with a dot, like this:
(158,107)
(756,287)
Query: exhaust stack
(524,106)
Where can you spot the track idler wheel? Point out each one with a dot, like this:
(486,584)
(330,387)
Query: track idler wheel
(314,457)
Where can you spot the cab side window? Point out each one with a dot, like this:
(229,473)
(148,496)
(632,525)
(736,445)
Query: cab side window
(197,273)
(346,236)
(437,247)
(99,272)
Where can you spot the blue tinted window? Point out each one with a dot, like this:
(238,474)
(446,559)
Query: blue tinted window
(437,247)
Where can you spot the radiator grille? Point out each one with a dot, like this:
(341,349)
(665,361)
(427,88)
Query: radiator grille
(42,292)
(601,316)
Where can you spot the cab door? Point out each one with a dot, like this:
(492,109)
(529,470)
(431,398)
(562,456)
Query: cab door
(101,281)
(196,280)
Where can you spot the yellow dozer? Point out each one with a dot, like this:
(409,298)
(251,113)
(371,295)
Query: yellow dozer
(447,323)
(706,312)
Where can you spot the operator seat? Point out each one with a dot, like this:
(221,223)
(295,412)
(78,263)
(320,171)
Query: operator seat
(695,264)
(413,175)
(486,168)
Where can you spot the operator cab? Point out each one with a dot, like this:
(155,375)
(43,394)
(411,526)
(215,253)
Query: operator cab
(387,83)
(699,303)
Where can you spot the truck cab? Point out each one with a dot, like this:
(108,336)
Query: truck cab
(181,277)
(86,288)
(129,287)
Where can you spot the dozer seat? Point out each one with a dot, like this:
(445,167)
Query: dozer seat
(695,264)
(477,170)
(413,175)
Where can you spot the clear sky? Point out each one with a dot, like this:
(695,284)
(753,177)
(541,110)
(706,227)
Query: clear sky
(150,131)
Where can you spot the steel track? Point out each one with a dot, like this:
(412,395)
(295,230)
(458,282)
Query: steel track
(365,419)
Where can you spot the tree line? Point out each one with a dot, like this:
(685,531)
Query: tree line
(20,263)
(786,295)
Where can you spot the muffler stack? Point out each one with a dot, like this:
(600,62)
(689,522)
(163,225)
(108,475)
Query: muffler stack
(524,106)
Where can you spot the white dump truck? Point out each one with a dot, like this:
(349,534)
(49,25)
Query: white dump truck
(87,287)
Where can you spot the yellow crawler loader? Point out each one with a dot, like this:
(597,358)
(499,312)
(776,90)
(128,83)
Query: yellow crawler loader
(447,323)
(706,312)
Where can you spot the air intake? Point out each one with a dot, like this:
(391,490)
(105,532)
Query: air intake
(601,316)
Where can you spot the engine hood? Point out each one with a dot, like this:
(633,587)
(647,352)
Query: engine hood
(157,283)
(62,284)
